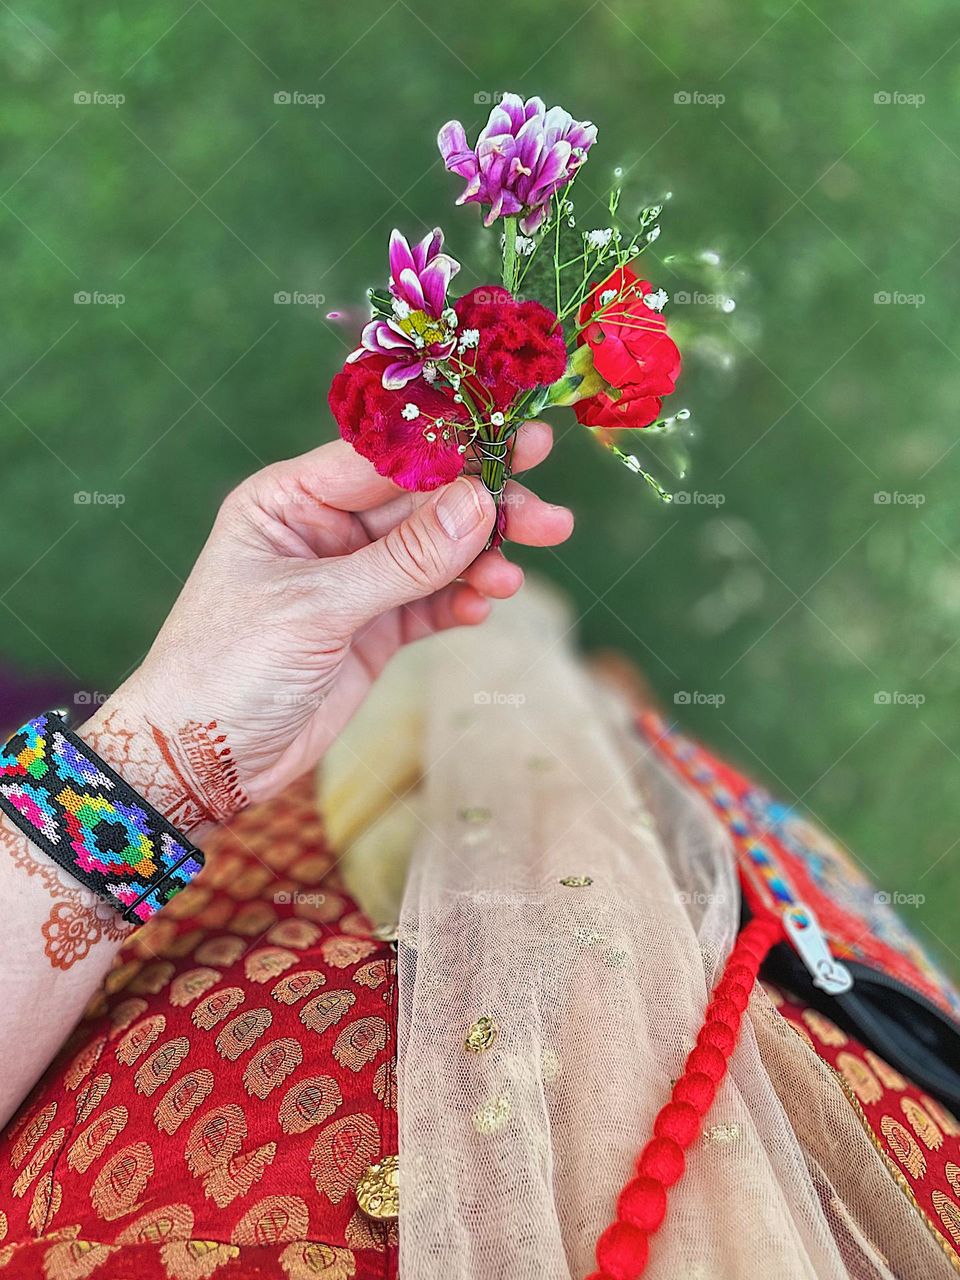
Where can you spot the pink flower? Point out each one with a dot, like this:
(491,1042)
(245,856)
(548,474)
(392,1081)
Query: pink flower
(420,329)
(412,435)
(524,155)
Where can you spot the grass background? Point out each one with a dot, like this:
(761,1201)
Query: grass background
(794,594)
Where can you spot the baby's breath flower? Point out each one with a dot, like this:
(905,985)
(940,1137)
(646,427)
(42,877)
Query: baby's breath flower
(653,234)
(401,309)
(599,238)
(656,301)
(410,411)
(429,373)
(608,295)
(449,318)
(469,338)
(497,419)
(526,245)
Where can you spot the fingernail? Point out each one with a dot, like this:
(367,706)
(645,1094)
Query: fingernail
(459,510)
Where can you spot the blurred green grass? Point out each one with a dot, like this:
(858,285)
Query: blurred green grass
(795,595)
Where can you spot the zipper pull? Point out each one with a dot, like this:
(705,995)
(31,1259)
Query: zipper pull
(807,937)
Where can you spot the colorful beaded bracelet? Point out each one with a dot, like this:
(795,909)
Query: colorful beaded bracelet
(71,804)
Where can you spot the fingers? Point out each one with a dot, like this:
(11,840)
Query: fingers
(533,444)
(533,522)
(493,576)
(421,555)
(335,475)
(458,605)
(530,520)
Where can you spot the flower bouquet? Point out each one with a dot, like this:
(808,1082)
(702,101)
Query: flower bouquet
(440,384)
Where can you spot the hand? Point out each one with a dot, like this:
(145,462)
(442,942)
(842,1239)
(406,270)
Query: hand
(316,572)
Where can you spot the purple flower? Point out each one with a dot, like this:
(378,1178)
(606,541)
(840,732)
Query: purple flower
(422,326)
(522,158)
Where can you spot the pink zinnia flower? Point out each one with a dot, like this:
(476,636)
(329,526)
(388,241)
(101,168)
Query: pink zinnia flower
(524,155)
(422,326)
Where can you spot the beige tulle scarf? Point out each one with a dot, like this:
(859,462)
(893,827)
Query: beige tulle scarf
(564,906)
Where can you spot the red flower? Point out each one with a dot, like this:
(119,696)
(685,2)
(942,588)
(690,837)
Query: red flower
(521,344)
(410,435)
(632,352)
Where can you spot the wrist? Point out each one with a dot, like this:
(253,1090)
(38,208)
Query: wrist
(182,767)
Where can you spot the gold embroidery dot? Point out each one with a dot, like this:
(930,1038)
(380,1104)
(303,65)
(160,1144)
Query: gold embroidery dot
(576,882)
(477,813)
(616,958)
(481,1035)
(550,1066)
(541,764)
(589,937)
(378,1191)
(721,1133)
(493,1115)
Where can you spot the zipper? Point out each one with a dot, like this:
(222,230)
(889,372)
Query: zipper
(808,940)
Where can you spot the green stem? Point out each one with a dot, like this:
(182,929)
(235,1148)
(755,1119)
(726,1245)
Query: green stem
(509,253)
(493,447)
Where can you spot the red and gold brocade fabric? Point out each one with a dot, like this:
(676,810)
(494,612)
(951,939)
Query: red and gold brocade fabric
(918,1138)
(212,1114)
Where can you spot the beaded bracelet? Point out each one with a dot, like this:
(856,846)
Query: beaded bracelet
(71,804)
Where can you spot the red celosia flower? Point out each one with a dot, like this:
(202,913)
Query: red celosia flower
(520,345)
(410,434)
(631,350)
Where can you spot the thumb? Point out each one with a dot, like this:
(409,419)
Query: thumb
(421,554)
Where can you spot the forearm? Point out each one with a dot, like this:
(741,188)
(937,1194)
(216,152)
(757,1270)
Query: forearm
(59,939)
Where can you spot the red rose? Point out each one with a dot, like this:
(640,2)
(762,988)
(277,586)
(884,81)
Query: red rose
(521,344)
(632,352)
(411,434)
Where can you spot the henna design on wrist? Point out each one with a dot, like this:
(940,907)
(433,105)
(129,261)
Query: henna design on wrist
(199,752)
(77,920)
(189,776)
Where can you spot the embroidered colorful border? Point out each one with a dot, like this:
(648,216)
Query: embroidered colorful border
(784,860)
(67,801)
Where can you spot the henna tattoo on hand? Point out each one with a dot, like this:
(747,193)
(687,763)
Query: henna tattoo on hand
(77,920)
(189,776)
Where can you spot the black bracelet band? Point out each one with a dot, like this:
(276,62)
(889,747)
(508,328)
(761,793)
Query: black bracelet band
(65,799)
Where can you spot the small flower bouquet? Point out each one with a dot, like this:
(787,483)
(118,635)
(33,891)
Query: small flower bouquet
(442,383)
